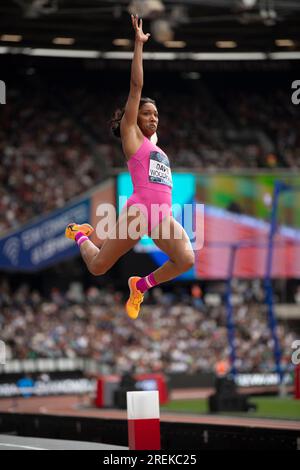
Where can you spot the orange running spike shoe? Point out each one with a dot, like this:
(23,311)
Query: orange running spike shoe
(73,228)
(133,304)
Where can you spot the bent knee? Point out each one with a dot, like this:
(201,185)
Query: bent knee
(98,268)
(187,261)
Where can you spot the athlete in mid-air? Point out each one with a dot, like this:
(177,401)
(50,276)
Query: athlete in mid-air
(136,125)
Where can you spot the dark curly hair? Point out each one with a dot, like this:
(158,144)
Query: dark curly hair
(118,114)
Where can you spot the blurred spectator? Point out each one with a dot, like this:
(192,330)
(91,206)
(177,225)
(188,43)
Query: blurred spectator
(297,295)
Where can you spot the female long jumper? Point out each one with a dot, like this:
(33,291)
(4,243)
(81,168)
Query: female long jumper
(136,124)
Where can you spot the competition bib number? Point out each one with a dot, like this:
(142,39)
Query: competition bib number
(159,169)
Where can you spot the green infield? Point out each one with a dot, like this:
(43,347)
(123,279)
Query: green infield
(267,407)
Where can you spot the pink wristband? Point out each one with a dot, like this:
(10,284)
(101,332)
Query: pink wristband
(81,240)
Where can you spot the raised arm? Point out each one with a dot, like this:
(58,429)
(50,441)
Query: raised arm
(136,80)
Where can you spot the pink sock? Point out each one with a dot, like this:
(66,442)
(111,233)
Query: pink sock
(146,283)
(80,238)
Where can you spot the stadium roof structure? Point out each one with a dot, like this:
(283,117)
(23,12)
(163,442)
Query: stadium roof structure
(192,26)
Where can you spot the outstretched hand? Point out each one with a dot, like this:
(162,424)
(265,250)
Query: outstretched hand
(138,27)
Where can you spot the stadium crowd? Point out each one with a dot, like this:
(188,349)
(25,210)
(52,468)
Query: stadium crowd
(56,144)
(179,331)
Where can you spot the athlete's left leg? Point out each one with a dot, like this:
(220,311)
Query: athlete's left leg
(179,249)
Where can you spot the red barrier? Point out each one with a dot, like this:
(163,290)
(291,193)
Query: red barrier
(108,384)
(161,385)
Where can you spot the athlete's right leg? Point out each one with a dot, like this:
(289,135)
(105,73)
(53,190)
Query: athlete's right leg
(100,260)
(171,238)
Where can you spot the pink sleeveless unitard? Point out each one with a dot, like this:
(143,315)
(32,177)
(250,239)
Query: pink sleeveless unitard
(151,177)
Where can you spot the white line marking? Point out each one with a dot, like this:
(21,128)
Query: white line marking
(23,447)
